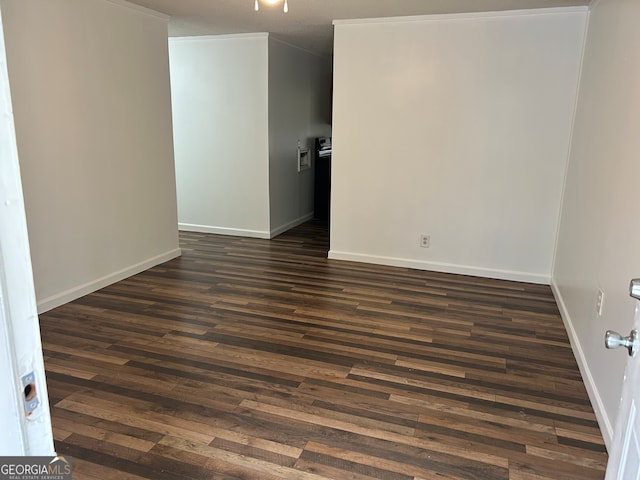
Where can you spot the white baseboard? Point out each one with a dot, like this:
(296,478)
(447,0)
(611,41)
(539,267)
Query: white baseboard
(71,294)
(236,232)
(239,232)
(443,267)
(288,226)
(592,389)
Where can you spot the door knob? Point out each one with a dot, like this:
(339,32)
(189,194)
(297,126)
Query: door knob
(634,288)
(614,340)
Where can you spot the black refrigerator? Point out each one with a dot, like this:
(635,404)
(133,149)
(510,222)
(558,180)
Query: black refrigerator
(322,184)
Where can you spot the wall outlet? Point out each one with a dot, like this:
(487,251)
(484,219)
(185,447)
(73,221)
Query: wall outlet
(600,302)
(425,240)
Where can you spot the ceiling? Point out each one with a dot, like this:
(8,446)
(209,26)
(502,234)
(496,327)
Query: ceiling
(309,22)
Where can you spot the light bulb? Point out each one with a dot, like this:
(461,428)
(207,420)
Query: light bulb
(271,2)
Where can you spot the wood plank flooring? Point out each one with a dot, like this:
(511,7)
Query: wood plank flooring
(255,359)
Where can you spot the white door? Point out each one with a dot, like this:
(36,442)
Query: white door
(25,422)
(624,458)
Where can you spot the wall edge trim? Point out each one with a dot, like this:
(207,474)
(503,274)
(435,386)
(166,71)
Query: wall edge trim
(237,232)
(574,115)
(284,42)
(140,9)
(443,267)
(594,4)
(288,226)
(463,16)
(74,293)
(222,36)
(604,422)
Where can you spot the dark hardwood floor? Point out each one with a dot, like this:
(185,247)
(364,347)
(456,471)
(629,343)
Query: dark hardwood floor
(255,359)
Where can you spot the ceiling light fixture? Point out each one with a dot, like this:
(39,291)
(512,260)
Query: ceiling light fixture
(271,2)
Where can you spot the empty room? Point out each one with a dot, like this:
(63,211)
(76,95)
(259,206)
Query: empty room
(320,239)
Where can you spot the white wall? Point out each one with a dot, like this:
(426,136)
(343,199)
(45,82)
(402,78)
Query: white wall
(220,100)
(299,91)
(599,231)
(90,90)
(458,127)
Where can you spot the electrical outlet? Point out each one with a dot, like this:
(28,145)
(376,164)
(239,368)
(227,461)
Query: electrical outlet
(600,302)
(425,240)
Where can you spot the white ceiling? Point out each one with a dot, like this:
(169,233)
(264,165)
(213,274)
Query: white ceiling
(309,22)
